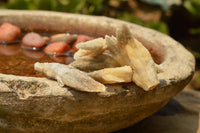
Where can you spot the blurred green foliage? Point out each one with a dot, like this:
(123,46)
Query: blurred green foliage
(194,31)
(193,6)
(75,6)
(95,7)
(92,7)
(196,54)
(159,26)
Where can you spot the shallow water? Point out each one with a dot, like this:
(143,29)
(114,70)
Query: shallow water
(17,61)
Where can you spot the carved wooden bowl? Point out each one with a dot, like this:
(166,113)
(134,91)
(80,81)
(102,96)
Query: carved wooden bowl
(52,108)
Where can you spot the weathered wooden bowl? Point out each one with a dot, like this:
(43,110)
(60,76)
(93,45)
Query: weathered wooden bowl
(61,109)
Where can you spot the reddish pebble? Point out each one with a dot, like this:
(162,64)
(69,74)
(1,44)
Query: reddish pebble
(33,40)
(9,32)
(80,38)
(57,48)
(63,37)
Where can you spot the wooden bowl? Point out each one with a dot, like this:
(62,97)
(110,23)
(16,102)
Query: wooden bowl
(47,107)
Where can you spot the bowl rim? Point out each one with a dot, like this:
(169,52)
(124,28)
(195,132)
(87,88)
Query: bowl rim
(119,107)
(178,64)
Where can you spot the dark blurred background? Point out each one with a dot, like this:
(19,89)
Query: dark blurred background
(180,19)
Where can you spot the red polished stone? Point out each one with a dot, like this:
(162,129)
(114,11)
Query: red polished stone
(57,48)
(33,40)
(9,32)
(80,38)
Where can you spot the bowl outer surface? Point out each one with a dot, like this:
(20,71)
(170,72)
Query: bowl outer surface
(65,109)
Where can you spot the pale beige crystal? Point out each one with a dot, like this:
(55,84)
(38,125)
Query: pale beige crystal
(135,60)
(90,48)
(129,51)
(88,63)
(82,53)
(113,75)
(117,50)
(98,44)
(70,76)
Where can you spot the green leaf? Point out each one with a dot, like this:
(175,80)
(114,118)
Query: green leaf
(97,7)
(32,5)
(196,54)
(2,7)
(159,26)
(130,18)
(64,2)
(79,5)
(54,4)
(194,31)
(18,4)
(193,6)
(44,4)
(95,2)
(74,6)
